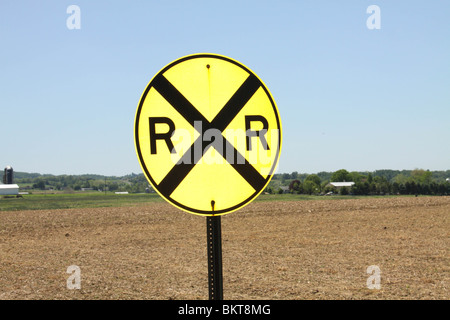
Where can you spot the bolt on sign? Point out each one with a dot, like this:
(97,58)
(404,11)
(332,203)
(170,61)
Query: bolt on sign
(207,134)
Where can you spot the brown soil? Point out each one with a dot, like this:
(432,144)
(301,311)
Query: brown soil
(271,250)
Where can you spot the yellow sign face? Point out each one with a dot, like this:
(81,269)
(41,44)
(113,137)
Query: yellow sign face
(207,134)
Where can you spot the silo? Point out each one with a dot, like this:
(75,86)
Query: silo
(8,176)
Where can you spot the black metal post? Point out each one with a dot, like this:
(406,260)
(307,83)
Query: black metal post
(215,279)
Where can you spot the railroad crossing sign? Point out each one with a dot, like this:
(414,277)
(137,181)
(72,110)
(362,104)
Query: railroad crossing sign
(207,134)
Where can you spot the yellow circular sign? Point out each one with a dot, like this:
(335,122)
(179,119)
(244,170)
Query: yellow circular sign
(207,134)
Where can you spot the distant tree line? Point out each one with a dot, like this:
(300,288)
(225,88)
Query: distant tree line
(380,182)
(134,183)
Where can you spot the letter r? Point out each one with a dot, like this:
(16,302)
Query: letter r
(161,136)
(256,133)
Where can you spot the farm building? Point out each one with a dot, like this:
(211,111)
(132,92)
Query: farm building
(341,184)
(9,189)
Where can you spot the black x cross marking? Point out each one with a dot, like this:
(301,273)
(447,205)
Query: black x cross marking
(220,122)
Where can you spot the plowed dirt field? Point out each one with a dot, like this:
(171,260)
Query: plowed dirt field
(271,250)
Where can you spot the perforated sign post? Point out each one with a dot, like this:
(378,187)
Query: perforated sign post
(208,138)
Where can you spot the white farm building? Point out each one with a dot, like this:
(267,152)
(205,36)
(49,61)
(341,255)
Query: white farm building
(9,189)
(342,184)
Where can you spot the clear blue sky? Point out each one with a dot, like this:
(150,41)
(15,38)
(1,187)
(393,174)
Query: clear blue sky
(349,97)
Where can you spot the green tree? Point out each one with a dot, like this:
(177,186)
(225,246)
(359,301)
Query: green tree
(357,177)
(359,188)
(314,178)
(341,176)
(329,188)
(395,188)
(421,176)
(310,187)
(400,179)
(295,185)
(86,184)
(113,186)
(40,184)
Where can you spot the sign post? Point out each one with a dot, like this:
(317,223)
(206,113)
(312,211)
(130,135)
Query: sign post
(208,139)
(214,245)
